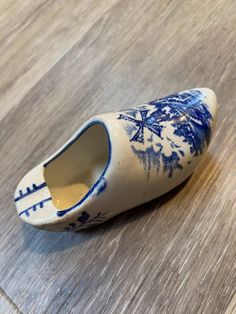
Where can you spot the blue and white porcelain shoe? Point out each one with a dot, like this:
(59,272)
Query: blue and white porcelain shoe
(117,161)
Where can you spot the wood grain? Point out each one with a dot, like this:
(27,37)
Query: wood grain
(7,305)
(60,64)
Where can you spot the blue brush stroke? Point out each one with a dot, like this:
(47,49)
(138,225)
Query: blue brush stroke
(34,207)
(149,158)
(83,218)
(101,186)
(29,190)
(171,163)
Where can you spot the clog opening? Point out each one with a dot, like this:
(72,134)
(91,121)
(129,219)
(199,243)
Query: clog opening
(73,173)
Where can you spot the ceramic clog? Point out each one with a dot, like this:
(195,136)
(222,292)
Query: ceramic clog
(117,161)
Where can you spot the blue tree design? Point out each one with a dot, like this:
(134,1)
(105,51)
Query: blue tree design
(187,114)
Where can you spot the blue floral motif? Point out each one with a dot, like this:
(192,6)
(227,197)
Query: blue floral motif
(190,118)
(85,221)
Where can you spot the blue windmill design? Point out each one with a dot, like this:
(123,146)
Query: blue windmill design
(146,122)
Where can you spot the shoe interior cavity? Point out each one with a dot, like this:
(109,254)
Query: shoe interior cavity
(72,174)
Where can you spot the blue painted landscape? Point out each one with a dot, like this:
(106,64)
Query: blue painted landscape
(190,118)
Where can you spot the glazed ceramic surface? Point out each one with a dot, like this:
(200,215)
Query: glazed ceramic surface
(117,161)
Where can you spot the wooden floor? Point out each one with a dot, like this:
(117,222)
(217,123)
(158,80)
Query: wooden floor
(62,62)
